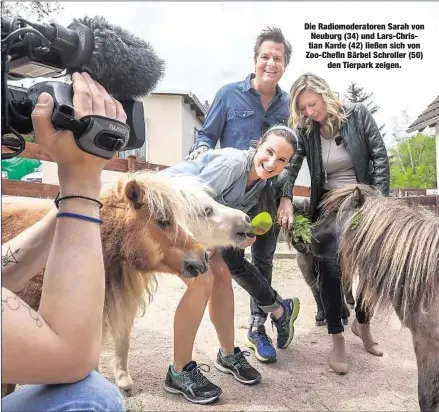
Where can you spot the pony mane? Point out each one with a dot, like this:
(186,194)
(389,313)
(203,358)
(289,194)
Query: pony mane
(394,249)
(171,197)
(342,197)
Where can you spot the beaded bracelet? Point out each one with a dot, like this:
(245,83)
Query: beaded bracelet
(58,199)
(81,217)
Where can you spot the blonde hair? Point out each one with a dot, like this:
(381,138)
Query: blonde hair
(335,114)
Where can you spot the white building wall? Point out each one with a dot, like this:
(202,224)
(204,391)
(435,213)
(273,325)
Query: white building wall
(164,118)
(303,178)
(50,174)
(189,122)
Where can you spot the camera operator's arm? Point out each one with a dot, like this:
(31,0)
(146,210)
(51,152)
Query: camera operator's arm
(26,254)
(62,342)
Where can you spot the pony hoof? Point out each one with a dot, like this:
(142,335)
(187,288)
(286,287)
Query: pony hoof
(124,381)
(320,318)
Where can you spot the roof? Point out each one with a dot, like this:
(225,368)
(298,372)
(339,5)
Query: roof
(188,98)
(428,118)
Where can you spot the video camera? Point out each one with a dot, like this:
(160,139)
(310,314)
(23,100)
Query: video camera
(31,50)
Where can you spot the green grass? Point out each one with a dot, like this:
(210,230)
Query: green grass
(300,232)
(356,220)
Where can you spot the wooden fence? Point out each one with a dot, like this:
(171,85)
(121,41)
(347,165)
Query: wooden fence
(413,197)
(132,164)
(44,190)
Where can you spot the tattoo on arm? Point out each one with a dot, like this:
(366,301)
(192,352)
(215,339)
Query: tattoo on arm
(9,257)
(15,303)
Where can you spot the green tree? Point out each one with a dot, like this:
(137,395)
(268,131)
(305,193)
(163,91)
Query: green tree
(413,162)
(40,10)
(355,94)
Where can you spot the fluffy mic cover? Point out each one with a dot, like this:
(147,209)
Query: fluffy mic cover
(125,65)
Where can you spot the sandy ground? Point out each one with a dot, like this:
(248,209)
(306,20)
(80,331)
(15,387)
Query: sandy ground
(299,380)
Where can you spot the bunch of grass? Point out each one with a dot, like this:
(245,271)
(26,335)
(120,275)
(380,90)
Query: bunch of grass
(300,231)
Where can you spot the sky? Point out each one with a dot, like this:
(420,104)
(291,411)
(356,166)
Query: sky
(206,45)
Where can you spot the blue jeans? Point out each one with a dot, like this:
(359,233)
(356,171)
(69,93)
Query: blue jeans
(93,394)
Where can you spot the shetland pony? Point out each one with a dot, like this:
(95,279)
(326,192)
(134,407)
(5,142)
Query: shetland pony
(308,265)
(393,249)
(150,224)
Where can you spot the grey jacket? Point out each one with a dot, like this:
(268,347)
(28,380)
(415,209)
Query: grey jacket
(361,138)
(225,171)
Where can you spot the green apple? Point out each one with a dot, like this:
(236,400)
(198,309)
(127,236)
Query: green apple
(261,223)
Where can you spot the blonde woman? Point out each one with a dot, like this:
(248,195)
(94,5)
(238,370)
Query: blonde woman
(342,145)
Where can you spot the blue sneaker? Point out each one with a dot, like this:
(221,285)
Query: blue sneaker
(285,325)
(261,344)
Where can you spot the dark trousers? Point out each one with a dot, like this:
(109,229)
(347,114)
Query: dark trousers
(255,277)
(262,258)
(330,280)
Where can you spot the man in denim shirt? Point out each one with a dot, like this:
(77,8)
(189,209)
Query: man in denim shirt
(237,115)
(240,114)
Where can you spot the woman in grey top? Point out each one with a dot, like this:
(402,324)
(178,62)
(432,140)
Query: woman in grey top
(240,179)
(342,145)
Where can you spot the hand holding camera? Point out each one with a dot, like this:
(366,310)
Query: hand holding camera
(90,98)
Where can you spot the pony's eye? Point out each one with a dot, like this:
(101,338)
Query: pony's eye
(208,211)
(164,224)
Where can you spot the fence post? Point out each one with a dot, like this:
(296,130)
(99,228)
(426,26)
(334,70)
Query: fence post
(132,163)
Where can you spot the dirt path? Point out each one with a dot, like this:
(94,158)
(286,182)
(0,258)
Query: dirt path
(300,380)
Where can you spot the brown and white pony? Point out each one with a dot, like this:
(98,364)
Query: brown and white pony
(152,223)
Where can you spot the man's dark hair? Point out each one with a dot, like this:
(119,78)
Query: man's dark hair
(273,34)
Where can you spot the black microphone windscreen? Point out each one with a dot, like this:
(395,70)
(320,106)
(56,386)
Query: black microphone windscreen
(125,65)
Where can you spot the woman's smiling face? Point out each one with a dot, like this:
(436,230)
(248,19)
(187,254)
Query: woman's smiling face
(272,156)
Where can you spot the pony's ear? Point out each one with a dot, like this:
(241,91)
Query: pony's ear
(133,192)
(358,197)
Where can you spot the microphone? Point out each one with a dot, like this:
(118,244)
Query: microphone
(125,65)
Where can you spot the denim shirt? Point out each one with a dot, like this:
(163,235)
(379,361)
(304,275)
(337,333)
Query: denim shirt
(225,171)
(237,116)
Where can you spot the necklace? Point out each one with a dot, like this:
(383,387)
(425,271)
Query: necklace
(327,160)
